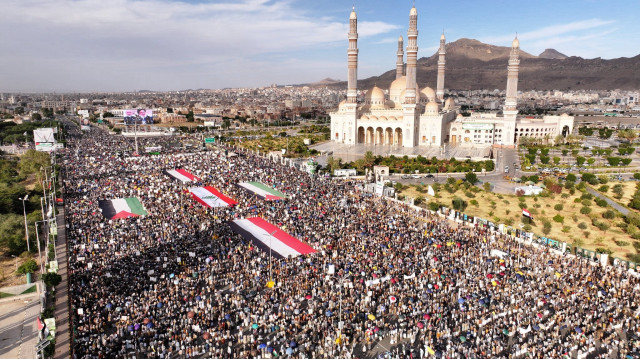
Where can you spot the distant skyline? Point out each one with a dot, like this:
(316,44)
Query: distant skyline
(127,45)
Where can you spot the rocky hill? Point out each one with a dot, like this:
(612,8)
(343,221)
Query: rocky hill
(472,64)
(552,54)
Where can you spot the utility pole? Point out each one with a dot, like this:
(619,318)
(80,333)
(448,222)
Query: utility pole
(26,228)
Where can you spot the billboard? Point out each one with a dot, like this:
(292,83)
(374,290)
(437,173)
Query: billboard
(44,139)
(139,116)
(43,135)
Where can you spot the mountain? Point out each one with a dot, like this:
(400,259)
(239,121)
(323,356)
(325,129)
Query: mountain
(325,82)
(552,54)
(471,64)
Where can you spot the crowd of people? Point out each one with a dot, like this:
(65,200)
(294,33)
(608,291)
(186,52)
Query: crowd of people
(386,279)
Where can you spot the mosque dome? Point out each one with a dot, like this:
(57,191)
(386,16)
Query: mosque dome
(429,93)
(459,116)
(432,107)
(375,95)
(449,104)
(398,84)
(353,15)
(564,115)
(515,43)
(413,11)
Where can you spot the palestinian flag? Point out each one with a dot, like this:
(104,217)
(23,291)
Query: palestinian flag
(181,175)
(265,235)
(122,208)
(211,197)
(526,213)
(263,191)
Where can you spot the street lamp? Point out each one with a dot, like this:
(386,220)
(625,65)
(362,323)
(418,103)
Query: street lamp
(38,240)
(26,229)
(270,236)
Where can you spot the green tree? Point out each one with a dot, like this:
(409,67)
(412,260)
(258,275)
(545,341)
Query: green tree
(546,227)
(369,159)
(580,160)
(51,279)
(29,266)
(36,117)
(556,160)
(471,177)
(333,163)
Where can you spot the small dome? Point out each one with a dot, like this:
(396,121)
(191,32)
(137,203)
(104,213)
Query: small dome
(459,116)
(375,94)
(413,11)
(400,39)
(449,104)
(442,36)
(403,93)
(353,14)
(432,107)
(515,43)
(429,93)
(564,115)
(398,84)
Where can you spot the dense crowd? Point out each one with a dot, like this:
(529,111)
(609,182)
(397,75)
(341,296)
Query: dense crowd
(179,283)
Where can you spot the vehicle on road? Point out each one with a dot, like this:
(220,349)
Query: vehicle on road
(429,176)
(415,176)
(405,177)
(506,169)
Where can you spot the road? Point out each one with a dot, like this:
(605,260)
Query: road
(18,327)
(611,202)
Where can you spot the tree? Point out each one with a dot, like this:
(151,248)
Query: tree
(580,160)
(51,279)
(36,117)
(591,161)
(546,227)
(556,160)
(613,161)
(107,114)
(29,266)
(471,177)
(19,110)
(459,204)
(369,159)
(333,163)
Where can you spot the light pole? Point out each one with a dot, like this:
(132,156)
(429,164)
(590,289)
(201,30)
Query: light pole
(38,240)
(26,229)
(270,236)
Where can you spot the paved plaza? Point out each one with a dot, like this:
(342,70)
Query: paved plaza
(354,152)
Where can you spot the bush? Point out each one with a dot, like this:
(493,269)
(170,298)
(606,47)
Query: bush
(566,229)
(636,175)
(564,195)
(582,225)
(586,196)
(558,218)
(51,279)
(546,227)
(609,214)
(434,206)
(586,203)
(601,202)
(471,177)
(603,188)
(473,202)
(558,207)
(29,266)
(585,210)
(522,205)
(571,177)
(459,204)
(418,201)
(469,194)
(603,179)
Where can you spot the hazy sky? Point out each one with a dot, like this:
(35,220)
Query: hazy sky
(126,45)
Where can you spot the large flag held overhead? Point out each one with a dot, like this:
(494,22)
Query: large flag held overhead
(211,197)
(122,208)
(181,175)
(263,191)
(265,235)
(526,213)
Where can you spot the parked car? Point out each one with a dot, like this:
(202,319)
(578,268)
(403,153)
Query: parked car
(404,176)
(415,176)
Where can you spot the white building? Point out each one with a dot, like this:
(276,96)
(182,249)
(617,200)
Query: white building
(408,116)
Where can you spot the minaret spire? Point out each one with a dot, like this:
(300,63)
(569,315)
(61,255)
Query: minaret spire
(352,56)
(512,77)
(412,57)
(400,61)
(441,62)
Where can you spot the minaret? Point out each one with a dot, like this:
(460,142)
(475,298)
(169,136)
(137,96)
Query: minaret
(352,54)
(440,84)
(510,111)
(412,56)
(400,61)
(512,77)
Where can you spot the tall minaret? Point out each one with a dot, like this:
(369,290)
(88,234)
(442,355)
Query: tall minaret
(440,84)
(400,61)
(412,56)
(512,77)
(510,112)
(352,54)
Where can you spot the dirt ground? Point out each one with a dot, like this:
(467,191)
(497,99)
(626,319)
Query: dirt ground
(8,276)
(502,210)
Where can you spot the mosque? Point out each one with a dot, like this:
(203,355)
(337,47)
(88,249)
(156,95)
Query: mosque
(407,116)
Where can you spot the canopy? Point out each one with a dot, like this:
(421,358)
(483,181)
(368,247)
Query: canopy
(266,235)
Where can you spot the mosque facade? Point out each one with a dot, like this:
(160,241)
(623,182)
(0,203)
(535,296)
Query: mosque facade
(408,116)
